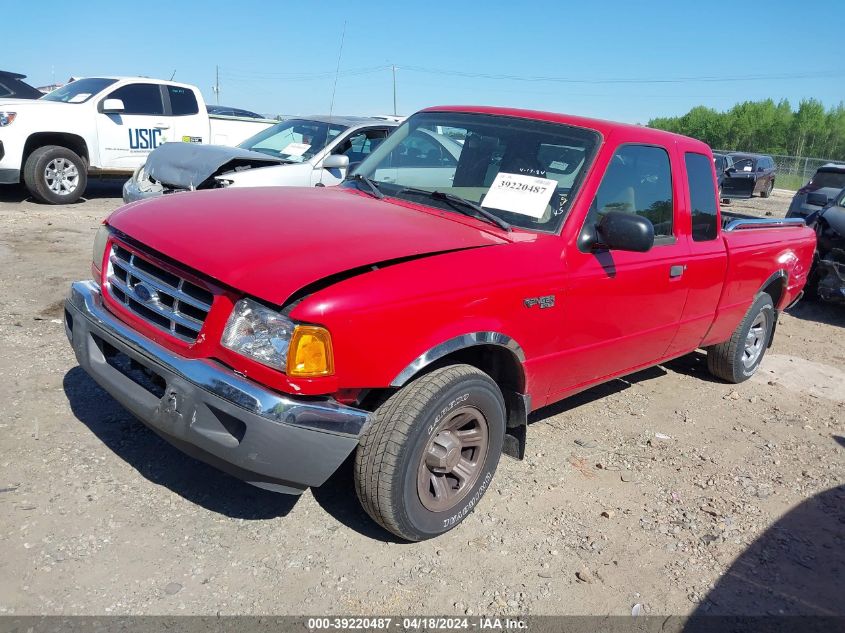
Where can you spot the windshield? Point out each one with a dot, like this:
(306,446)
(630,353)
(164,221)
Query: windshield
(825,179)
(79,91)
(294,140)
(523,171)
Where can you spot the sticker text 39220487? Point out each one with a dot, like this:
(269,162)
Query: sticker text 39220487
(517,193)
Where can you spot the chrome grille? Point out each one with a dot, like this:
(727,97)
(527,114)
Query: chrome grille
(165,300)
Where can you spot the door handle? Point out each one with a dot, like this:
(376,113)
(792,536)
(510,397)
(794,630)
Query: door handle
(161,126)
(676,271)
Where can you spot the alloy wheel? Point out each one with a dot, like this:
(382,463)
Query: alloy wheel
(453,458)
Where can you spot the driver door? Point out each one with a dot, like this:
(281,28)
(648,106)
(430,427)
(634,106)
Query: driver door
(624,308)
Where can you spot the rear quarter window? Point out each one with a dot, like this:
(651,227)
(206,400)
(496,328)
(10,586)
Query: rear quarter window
(702,193)
(182,101)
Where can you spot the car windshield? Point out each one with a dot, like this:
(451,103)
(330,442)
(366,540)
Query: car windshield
(79,91)
(523,171)
(294,140)
(831,179)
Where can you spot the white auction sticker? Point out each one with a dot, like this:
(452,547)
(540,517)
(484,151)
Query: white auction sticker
(296,149)
(526,195)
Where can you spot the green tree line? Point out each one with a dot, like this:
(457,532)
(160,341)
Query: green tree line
(766,127)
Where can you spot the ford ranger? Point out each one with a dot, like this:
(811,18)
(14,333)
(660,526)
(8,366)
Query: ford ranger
(103,125)
(415,314)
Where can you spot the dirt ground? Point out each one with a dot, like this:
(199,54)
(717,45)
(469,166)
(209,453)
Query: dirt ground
(668,489)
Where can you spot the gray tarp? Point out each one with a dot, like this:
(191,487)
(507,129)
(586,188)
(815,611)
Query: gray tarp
(188,165)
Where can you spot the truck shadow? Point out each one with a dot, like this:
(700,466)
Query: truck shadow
(693,364)
(820,312)
(96,189)
(337,497)
(162,464)
(598,392)
(795,568)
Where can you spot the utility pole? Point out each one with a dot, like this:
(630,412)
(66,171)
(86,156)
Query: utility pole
(217,84)
(393,66)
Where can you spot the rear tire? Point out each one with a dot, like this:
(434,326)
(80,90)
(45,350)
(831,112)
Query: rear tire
(431,452)
(738,358)
(767,191)
(55,175)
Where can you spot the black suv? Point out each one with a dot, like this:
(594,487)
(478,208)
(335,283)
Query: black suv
(11,87)
(750,174)
(822,188)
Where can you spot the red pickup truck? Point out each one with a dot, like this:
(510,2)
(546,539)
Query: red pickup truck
(481,263)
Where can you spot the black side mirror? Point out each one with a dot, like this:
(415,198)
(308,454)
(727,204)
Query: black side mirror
(621,231)
(817,199)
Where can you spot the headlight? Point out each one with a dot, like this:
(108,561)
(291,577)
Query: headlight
(224,182)
(259,333)
(303,351)
(99,250)
(6,118)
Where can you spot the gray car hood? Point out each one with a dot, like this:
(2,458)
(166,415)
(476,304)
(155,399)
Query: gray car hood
(188,165)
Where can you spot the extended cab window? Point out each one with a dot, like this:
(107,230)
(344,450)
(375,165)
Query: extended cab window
(638,180)
(139,99)
(182,101)
(702,197)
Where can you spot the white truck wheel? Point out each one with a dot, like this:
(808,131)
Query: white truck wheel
(55,175)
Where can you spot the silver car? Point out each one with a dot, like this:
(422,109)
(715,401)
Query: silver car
(297,152)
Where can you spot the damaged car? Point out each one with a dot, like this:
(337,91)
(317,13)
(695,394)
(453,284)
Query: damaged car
(298,152)
(828,275)
(819,192)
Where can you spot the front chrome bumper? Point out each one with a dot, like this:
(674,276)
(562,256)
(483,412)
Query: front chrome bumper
(206,410)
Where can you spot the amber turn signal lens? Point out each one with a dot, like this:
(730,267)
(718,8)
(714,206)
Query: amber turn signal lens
(310,352)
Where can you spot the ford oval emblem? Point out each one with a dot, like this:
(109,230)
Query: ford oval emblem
(143,293)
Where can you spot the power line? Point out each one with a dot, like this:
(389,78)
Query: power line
(249,75)
(624,80)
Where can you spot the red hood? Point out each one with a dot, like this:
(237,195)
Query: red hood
(270,242)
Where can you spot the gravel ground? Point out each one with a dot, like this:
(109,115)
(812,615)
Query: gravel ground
(667,489)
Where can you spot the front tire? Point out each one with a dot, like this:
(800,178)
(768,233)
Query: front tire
(738,358)
(431,452)
(55,175)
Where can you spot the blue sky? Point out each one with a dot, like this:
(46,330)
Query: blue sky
(280,57)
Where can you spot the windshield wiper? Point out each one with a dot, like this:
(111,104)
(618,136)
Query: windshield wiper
(462,204)
(373,187)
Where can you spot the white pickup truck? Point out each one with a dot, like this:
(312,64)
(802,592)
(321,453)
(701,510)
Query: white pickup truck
(103,126)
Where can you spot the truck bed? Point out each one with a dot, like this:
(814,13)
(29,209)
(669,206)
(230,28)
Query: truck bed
(738,221)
